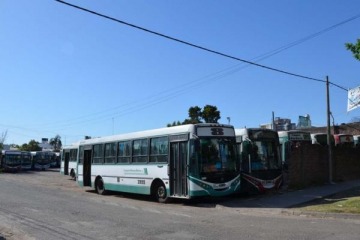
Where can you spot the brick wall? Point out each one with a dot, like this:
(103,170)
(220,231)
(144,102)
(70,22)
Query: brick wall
(309,165)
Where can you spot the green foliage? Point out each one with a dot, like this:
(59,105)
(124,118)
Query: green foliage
(195,115)
(56,143)
(210,114)
(31,146)
(174,124)
(354,48)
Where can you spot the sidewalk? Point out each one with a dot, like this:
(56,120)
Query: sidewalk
(289,199)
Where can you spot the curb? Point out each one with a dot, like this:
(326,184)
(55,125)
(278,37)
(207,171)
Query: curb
(321,214)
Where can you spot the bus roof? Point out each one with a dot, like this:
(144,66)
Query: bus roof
(12,152)
(153,133)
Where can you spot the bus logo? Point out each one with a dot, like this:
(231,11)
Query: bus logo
(217,131)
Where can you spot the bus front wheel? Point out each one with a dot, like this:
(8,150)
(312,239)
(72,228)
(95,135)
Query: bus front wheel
(160,193)
(100,186)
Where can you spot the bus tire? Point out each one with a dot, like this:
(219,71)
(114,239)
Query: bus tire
(160,193)
(100,186)
(72,175)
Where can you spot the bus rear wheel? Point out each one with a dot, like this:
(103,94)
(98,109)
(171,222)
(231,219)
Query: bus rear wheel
(100,186)
(72,175)
(160,193)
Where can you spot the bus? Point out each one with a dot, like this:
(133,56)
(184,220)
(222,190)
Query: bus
(55,159)
(26,161)
(344,140)
(260,159)
(357,140)
(41,160)
(292,139)
(184,161)
(68,163)
(321,139)
(11,160)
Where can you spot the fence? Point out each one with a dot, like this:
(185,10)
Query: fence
(309,165)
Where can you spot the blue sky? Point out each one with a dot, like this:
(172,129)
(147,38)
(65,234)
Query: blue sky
(68,72)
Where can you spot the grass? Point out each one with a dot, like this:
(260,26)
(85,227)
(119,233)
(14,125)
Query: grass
(343,202)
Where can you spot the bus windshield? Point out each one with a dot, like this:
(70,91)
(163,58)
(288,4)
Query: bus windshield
(217,155)
(264,156)
(12,159)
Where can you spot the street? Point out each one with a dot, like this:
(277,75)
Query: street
(47,205)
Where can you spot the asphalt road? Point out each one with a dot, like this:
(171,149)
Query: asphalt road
(47,205)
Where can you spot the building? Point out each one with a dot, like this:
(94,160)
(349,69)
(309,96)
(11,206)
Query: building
(45,145)
(285,124)
(280,124)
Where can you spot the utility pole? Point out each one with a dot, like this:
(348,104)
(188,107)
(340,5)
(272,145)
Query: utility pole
(112,126)
(328,113)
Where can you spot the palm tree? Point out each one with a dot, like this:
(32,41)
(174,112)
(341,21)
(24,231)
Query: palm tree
(56,143)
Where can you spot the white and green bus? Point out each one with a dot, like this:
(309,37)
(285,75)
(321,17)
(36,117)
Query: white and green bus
(68,163)
(292,139)
(176,162)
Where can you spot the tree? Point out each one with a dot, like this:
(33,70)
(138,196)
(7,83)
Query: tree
(56,143)
(174,124)
(354,48)
(195,115)
(211,114)
(31,146)
(2,139)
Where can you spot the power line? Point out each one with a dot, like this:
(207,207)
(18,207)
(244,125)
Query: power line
(190,44)
(178,92)
(244,61)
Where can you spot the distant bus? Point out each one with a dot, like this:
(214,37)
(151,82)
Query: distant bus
(41,160)
(321,139)
(68,164)
(357,140)
(11,160)
(260,159)
(54,159)
(26,160)
(292,139)
(184,161)
(344,140)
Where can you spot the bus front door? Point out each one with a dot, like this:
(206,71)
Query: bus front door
(178,169)
(87,168)
(66,163)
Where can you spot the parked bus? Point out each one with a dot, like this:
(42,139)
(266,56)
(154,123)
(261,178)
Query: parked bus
(292,139)
(344,140)
(68,160)
(41,160)
(357,140)
(260,159)
(26,161)
(54,159)
(321,139)
(11,160)
(176,162)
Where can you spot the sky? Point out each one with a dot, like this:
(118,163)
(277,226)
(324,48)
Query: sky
(67,72)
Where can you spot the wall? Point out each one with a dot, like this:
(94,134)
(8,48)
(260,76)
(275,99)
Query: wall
(309,165)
